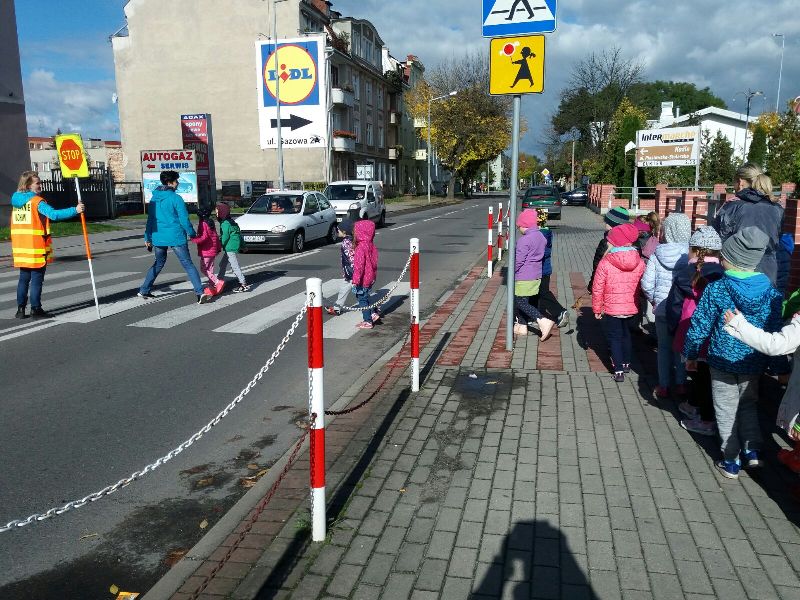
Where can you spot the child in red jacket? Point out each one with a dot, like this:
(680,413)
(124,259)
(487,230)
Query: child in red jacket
(208,246)
(614,291)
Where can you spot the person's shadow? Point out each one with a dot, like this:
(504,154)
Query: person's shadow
(535,561)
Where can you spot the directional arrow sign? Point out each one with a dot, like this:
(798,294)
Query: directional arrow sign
(294,122)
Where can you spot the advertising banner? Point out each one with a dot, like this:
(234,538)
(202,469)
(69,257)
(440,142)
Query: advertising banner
(195,130)
(187,186)
(672,147)
(183,161)
(293,70)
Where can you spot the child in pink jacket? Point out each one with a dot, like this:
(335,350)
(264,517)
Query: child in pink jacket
(208,246)
(614,291)
(365,269)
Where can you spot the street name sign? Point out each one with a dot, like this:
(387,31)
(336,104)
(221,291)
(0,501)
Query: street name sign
(516,65)
(71,155)
(671,147)
(518,17)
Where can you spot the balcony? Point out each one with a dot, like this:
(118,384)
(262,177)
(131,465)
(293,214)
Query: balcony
(395,153)
(342,97)
(421,154)
(344,144)
(420,122)
(394,117)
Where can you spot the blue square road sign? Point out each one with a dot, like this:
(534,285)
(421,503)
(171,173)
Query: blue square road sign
(518,17)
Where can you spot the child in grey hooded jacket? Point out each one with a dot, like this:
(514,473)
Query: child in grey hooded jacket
(669,258)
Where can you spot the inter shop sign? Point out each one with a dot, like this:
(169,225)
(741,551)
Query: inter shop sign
(671,147)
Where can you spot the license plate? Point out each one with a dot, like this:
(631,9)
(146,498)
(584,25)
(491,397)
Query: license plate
(255,238)
(339,219)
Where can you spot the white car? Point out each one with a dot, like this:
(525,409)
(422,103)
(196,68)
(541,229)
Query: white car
(287,220)
(357,199)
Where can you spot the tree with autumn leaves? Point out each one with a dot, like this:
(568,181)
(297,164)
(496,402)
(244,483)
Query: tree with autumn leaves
(469,128)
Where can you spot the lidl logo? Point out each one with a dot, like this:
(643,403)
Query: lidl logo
(290,71)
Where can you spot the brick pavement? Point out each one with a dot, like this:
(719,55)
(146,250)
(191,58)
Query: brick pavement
(525,474)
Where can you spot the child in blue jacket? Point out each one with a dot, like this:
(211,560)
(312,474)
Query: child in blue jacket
(735,367)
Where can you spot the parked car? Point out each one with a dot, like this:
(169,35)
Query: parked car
(543,196)
(357,199)
(576,197)
(287,220)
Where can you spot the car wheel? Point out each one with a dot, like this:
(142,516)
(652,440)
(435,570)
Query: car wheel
(333,236)
(298,241)
(382,219)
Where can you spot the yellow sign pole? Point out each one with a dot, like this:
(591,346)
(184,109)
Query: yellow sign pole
(72,160)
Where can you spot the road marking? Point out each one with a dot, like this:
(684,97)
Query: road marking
(73,284)
(89,314)
(404,226)
(267,317)
(48,277)
(184,314)
(9,274)
(343,327)
(45,325)
(148,255)
(436,217)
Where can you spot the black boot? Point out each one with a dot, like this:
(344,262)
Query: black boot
(37,312)
(21,312)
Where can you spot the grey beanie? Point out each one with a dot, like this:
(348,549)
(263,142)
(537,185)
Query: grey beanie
(745,248)
(706,237)
(677,228)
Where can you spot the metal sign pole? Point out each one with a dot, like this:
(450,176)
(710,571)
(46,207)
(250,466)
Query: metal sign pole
(697,164)
(281,181)
(512,225)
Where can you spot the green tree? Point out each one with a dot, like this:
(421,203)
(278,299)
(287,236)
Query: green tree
(528,165)
(783,153)
(686,96)
(757,153)
(716,160)
(616,166)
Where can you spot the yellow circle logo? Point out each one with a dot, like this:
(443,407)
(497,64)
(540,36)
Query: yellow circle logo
(296,71)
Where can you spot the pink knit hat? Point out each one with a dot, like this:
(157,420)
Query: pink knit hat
(641,226)
(528,218)
(623,235)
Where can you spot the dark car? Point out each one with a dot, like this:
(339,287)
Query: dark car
(543,196)
(576,197)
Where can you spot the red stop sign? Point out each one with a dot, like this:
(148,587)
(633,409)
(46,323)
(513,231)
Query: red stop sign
(71,155)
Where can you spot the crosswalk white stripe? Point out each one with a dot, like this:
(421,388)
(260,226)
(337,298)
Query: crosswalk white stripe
(184,314)
(89,314)
(9,274)
(343,327)
(60,302)
(73,284)
(267,317)
(47,278)
(43,325)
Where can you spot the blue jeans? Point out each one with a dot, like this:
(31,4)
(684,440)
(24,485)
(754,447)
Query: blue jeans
(362,295)
(182,252)
(667,357)
(33,278)
(618,334)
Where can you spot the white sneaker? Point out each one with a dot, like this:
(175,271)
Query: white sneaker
(563,319)
(546,327)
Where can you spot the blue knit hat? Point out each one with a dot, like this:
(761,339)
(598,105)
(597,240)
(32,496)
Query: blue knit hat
(617,216)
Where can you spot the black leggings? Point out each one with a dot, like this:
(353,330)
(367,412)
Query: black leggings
(701,397)
(526,310)
(546,301)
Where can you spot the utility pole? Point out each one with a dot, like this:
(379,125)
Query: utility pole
(281,180)
(780,71)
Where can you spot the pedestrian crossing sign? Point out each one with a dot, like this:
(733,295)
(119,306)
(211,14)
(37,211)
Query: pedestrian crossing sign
(516,65)
(518,17)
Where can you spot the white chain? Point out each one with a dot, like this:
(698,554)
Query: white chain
(17,523)
(385,298)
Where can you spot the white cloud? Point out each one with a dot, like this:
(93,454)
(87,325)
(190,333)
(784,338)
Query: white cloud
(86,108)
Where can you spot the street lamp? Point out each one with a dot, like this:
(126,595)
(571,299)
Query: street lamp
(281,180)
(780,71)
(428,151)
(575,135)
(749,94)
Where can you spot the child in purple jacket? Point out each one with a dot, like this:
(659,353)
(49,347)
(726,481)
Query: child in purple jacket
(528,275)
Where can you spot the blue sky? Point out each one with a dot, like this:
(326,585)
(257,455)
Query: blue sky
(68,67)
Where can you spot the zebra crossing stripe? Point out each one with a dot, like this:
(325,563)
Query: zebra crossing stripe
(73,284)
(25,330)
(280,311)
(184,314)
(48,278)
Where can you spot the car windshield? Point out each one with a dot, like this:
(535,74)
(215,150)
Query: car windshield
(539,191)
(277,205)
(345,191)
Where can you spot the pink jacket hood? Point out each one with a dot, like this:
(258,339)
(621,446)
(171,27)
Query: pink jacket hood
(365,258)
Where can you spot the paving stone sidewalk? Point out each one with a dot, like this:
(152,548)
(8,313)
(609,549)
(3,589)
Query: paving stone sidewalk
(529,474)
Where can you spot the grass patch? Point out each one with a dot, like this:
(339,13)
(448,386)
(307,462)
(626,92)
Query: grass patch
(64,229)
(136,217)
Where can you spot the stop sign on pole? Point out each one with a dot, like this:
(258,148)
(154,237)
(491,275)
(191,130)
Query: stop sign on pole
(71,156)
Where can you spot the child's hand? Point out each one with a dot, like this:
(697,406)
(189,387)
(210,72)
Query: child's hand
(691,366)
(730,314)
(598,315)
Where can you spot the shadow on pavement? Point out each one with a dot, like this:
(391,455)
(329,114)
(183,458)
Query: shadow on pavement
(535,561)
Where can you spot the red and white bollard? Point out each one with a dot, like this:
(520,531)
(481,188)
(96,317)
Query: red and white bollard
(499,231)
(489,257)
(414,314)
(315,381)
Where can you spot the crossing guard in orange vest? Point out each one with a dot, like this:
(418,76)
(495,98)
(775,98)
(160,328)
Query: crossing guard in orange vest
(31,247)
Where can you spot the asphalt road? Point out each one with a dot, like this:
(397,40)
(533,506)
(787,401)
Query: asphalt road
(88,402)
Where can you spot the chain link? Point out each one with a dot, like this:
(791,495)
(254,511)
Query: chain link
(17,523)
(385,298)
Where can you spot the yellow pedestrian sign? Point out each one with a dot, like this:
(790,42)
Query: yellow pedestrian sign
(71,155)
(516,65)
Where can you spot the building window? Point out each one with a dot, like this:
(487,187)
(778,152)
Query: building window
(336,120)
(335,77)
(370,141)
(368,92)
(368,52)
(356,43)
(380,97)
(356,86)
(392,174)
(377,55)
(381,140)
(357,131)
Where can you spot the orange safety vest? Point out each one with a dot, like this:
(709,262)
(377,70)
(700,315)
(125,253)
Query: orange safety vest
(30,236)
